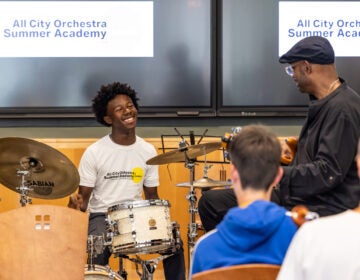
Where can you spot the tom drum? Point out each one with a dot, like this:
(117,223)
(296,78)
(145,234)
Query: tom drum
(141,226)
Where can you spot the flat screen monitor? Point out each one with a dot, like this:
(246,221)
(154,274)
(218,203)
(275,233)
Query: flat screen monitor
(255,33)
(55,55)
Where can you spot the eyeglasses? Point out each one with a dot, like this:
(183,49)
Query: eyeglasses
(290,68)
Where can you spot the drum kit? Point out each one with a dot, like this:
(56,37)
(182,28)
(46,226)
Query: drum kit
(36,170)
(188,154)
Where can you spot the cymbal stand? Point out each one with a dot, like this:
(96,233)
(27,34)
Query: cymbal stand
(24,190)
(191,197)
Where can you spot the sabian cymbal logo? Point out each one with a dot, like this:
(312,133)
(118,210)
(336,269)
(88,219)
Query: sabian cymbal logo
(41,187)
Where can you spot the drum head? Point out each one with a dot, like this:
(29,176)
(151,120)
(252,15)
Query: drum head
(98,272)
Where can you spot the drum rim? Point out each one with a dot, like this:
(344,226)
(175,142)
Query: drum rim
(139,203)
(143,247)
(104,270)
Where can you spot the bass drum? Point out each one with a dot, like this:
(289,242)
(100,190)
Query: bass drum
(98,272)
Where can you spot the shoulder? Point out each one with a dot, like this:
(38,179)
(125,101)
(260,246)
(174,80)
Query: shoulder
(329,223)
(346,97)
(99,144)
(146,146)
(206,239)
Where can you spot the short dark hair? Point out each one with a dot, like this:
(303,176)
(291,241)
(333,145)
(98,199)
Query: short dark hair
(255,152)
(106,94)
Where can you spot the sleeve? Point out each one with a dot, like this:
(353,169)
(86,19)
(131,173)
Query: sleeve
(334,156)
(87,170)
(152,171)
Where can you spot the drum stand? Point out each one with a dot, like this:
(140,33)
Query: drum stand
(122,272)
(95,247)
(147,266)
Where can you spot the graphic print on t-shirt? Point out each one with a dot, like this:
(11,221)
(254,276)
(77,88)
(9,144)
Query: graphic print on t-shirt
(135,175)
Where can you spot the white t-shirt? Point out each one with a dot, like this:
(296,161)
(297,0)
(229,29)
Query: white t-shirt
(116,172)
(327,248)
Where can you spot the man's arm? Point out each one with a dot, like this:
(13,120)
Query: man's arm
(80,200)
(151,193)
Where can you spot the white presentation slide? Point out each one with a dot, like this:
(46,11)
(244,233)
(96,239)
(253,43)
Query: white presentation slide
(338,21)
(76,29)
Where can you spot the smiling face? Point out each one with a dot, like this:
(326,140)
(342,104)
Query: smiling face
(121,113)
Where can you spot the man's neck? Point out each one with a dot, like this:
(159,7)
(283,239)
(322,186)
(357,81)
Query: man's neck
(123,138)
(249,195)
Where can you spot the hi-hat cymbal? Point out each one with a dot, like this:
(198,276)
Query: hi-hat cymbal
(49,173)
(205,183)
(189,152)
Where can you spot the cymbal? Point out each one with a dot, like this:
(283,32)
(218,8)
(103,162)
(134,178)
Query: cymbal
(205,183)
(189,152)
(49,173)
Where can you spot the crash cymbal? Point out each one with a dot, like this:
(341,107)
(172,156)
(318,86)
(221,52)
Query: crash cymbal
(189,152)
(50,174)
(205,183)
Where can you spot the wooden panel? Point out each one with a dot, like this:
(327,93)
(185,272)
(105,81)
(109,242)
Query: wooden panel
(32,237)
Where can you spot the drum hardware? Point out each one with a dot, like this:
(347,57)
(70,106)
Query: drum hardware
(188,154)
(122,270)
(148,267)
(177,238)
(191,197)
(50,174)
(95,246)
(23,189)
(205,182)
(98,272)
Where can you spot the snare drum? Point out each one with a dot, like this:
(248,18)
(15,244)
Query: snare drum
(100,272)
(141,226)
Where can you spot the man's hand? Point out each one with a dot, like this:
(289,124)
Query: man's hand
(75,201)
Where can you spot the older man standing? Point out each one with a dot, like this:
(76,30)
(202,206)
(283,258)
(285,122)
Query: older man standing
(323,174)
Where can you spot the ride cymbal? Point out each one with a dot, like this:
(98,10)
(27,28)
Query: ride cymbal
(49,173)
(188,153)
(205,183)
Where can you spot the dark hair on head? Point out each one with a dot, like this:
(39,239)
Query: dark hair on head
(108,93)
(255,152)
